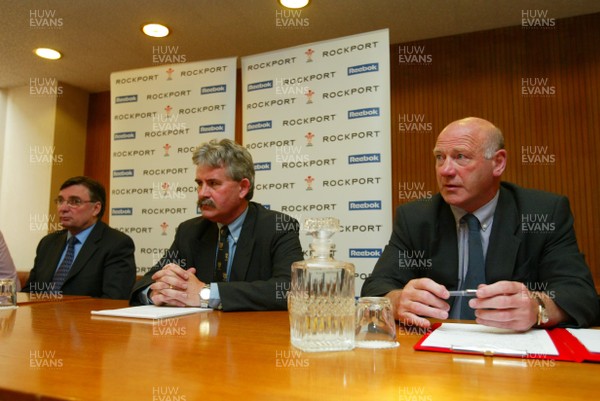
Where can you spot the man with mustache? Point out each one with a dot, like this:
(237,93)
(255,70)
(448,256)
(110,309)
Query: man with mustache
(480,233)
(237,255)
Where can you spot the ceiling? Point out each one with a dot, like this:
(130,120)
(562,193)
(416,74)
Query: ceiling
(98,37)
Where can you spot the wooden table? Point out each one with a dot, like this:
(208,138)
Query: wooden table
(57,350)
(25,298)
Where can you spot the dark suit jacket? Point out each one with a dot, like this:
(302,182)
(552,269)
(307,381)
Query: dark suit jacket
(543,255)
(104,267)
(261,266)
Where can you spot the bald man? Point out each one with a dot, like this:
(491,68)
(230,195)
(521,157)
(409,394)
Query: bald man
(532,273)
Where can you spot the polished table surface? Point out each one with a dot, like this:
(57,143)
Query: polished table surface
(25,298)
(57,350)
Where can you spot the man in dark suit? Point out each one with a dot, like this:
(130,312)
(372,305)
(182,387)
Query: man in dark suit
(238,255)
(87,257)
(532,273)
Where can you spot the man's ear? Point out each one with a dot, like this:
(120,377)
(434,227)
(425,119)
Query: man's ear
(499,161)
(244,187)
(97,208)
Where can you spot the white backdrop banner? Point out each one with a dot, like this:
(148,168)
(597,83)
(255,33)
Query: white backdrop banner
(317,122)
(159,116)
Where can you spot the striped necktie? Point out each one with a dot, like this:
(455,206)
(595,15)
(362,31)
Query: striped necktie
(476,268)
(63,270)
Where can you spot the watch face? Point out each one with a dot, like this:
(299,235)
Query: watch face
(205,293)
(545,317)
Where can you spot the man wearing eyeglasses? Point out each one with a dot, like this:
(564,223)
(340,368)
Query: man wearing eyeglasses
(87,257)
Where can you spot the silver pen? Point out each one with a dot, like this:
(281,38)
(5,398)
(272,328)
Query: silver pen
(464,293)
(490,351)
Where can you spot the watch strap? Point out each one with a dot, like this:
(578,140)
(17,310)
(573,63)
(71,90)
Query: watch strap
(542,315)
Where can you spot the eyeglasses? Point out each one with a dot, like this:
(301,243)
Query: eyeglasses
(71,202)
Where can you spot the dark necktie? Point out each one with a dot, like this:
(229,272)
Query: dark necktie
(222,255)
(63,270)
(476,268)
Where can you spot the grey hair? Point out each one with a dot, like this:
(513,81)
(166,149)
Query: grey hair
(494,141)
(228,154)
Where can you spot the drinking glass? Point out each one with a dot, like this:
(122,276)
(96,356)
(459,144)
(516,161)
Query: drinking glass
(8,293)
(375,324)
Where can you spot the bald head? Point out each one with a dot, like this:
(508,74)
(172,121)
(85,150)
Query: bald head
(484,132)
(470,158)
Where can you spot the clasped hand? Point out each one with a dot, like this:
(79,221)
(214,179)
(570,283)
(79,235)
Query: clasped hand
(175,286)
(505,304)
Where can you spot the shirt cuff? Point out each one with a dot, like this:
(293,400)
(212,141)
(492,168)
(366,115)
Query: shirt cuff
(144,298)
(215,299)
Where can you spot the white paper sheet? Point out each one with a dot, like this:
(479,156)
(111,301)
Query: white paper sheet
(490,340)
(588,337)
(149,312)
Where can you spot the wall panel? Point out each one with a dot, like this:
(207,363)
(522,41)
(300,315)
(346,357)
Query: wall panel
(481,74)
(97,149)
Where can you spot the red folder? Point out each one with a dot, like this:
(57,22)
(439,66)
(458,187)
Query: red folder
(569,348)
(580,352)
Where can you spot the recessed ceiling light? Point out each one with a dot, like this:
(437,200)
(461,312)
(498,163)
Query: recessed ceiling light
(46,53)
(155,30)
(294,3)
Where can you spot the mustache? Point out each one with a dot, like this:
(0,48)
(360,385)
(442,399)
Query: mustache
(206,202)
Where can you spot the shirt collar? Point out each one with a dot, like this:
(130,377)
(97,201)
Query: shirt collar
(235,227)
(484,214)
(82,235)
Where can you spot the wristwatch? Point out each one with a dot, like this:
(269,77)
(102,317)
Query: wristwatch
(204,295)
(542,316)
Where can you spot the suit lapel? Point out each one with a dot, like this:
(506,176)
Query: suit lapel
(54,255)
(205,247)
(504,244)
(445,248)
(245,244)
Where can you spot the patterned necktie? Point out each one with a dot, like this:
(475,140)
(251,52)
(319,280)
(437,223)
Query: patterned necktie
(476,269)
(222,255)
(63,270)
